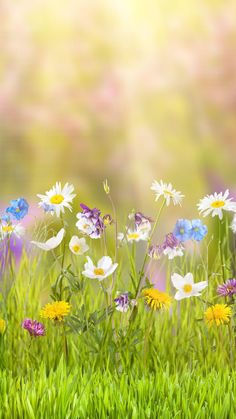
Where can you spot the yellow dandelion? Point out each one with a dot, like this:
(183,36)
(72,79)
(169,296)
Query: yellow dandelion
(2,326)
(156,299)
(56,310)
(218,314)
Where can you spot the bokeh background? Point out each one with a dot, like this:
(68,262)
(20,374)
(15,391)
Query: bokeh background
(126,90)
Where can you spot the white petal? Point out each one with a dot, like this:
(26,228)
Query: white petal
(105,263)
(199,286)
(177,280)
(188,278)
(51,243)
(89,265)
(179,295)
(89,274)
(111,270)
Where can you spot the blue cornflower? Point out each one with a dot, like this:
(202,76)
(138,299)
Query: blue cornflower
(18,208)
(198,231)
(182,230)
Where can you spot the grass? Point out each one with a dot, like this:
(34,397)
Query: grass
(77,393)
(101,363)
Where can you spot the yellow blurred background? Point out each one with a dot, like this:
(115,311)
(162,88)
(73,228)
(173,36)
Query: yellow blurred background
(126,90)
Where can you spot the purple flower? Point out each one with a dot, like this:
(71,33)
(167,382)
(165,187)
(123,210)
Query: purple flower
(93,216)
(90,213)
(228,289)
(140,218)
(122,302)
(34,328)
(170,241)
(155,251)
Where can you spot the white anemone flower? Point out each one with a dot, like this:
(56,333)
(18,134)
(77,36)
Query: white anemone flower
(215,204)
(173,252)
(120,236)
(58,198)
(233,224)
(51,243)
(186,287)
(104,268)
(136,235)
(6,230)
(167,191)
(78,246)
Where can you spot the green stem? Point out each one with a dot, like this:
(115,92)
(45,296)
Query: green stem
(148,244)
(221,252)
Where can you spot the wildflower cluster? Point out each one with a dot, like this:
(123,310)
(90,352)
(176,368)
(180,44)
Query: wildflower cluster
(104,273)
(16,211)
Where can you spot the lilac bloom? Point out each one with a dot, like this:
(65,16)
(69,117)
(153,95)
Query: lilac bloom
(140,218)
(155,251)
(92,221)
(122,302)
(228,289)
(33,327)
(170,241)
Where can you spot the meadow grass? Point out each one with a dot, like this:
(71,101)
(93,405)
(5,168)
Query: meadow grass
(166,365)
(98,362)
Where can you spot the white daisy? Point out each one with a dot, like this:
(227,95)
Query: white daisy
(78,246)
(172,252)
(6,230)
(215,204)
(104,268)
(185,286)
(167,191)
(51,243)
(233,224)
(58,198)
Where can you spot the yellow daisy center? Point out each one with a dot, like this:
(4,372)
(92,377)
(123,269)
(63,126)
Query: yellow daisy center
(218,204)
(76,248)
(7,229)
(133,236)
(57,199)
(168,193)
(99,271)
(187,288)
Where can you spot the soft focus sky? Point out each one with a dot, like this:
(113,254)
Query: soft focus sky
(126,90)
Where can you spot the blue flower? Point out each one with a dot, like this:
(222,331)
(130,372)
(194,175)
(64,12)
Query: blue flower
(6,218)
(182,230)
(48,208)
(198,231)
(18,208)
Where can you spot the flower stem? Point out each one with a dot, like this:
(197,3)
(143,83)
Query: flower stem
(148,244)
(221,252)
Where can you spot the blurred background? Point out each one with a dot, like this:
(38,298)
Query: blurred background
(126,90)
